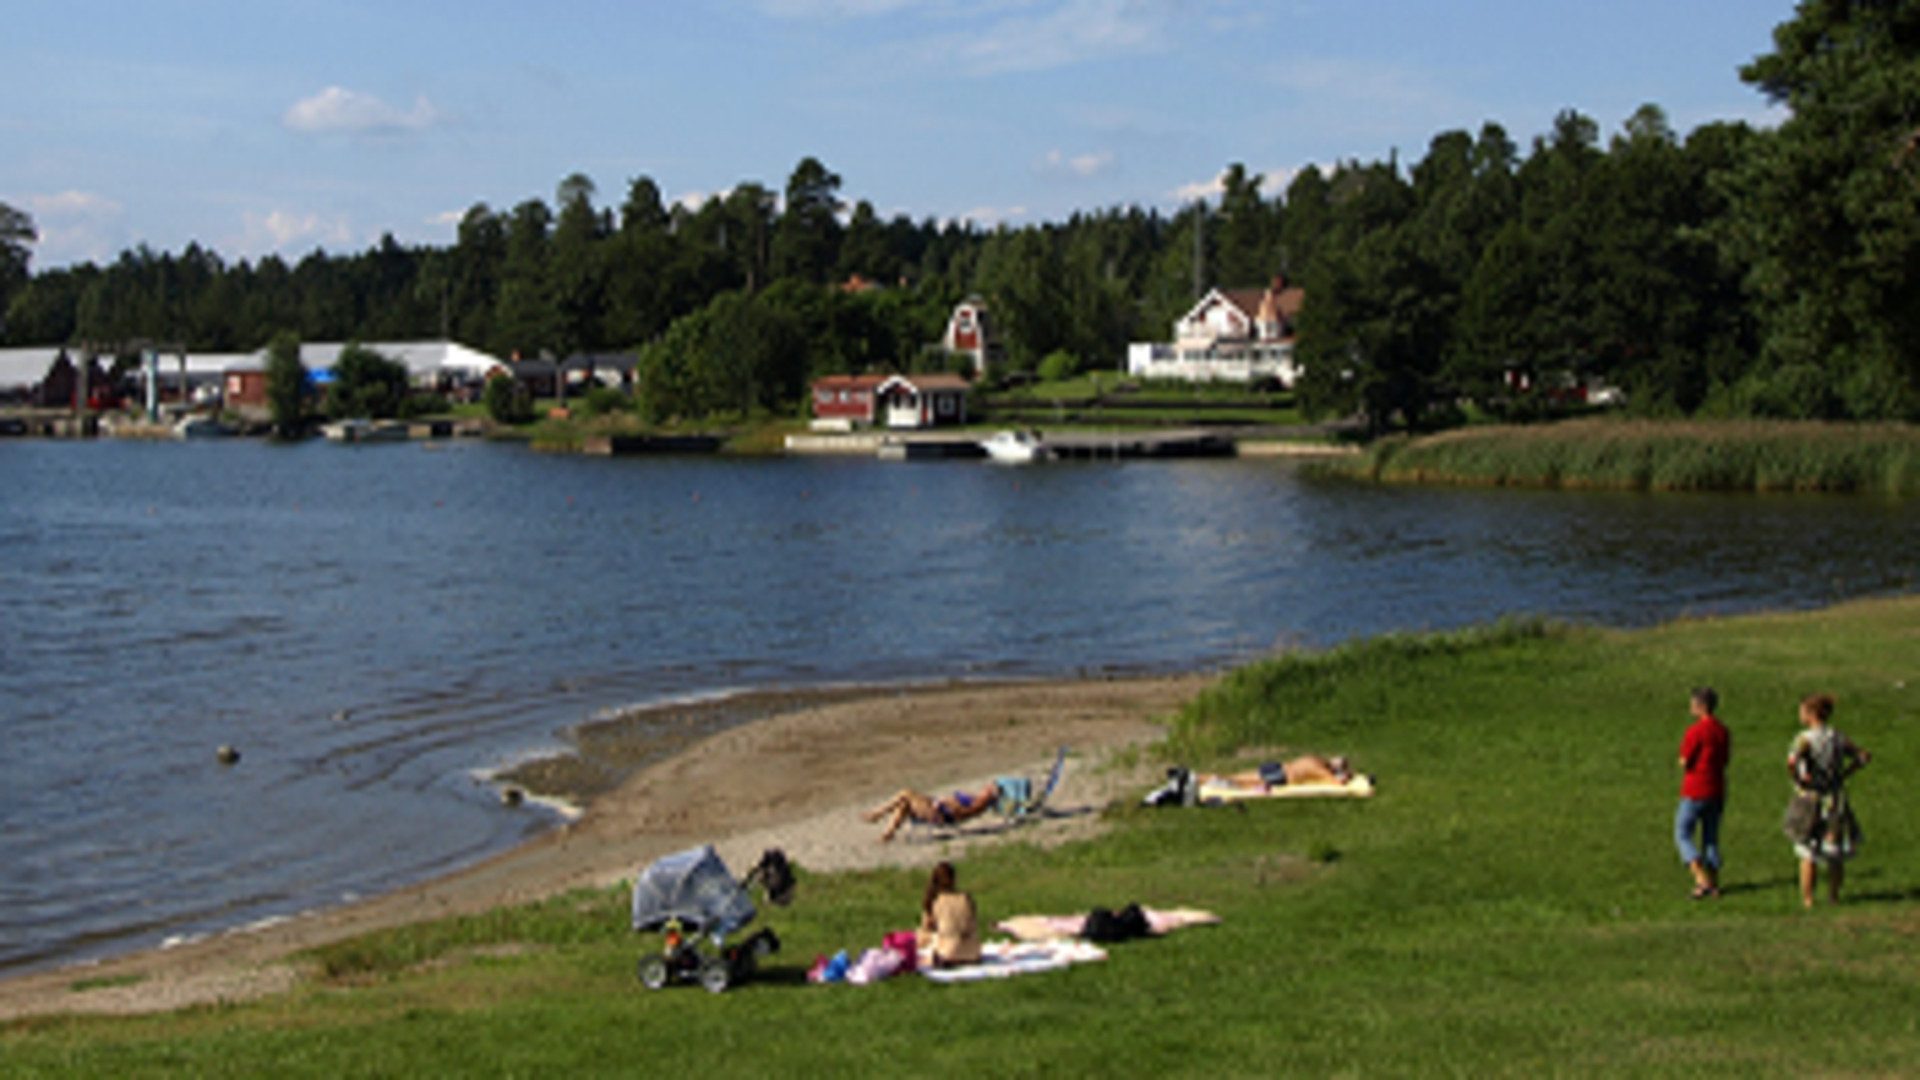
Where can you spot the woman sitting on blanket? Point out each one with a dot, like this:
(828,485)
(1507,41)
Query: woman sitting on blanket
(949,925)
(950,810)
(1305,769)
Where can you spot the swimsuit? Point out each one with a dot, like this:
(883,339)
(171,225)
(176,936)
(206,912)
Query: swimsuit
(945,815)
(1273,774)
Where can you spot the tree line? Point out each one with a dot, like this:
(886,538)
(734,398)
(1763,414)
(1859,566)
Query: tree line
(1733,271)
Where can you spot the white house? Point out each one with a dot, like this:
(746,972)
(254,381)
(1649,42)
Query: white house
(922,401)
(1231,335)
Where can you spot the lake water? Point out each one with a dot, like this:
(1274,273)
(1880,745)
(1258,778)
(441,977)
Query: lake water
(372,625)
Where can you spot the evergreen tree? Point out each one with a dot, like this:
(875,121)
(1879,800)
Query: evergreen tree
(1826,210)
(806,243)
(575,275)
(526,322)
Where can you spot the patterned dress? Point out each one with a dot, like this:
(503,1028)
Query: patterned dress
(1821,758)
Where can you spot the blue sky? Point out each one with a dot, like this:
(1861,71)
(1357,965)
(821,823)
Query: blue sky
(276,126)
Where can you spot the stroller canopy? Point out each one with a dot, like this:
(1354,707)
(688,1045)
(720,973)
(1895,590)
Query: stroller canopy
(695,887)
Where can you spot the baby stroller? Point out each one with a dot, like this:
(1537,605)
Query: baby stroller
(691,893)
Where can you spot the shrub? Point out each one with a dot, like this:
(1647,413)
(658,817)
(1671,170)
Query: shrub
(1059,366)
(367,384)
(507,401)
(602,400)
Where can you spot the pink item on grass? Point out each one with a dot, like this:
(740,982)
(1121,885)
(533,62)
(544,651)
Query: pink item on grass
(907,945)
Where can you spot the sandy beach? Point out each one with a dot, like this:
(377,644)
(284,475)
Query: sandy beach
(793,772)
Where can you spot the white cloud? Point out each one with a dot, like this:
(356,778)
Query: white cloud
(1069,33)
(993,37)
(988,215)
(448,217)
(278,230)
(1272,182)
(694,200)
(1057,162)
(337,109)
(72,204)
(75,226)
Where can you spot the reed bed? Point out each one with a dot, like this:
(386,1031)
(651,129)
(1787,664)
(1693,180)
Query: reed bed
(1657,456)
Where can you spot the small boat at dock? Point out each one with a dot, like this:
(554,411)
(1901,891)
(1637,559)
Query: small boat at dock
(360,430)
(1016,447)
(200,427)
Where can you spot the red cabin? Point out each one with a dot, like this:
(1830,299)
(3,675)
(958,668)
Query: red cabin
(844,402)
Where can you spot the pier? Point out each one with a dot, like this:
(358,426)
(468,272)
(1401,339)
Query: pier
(1069,446)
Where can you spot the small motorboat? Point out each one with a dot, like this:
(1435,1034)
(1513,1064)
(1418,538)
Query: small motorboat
(359,430)
(1016,447)
(200,427)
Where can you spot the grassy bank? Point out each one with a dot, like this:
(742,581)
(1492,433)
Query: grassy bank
(1659,456)
(1509,904)
(570,434)
(1103,401)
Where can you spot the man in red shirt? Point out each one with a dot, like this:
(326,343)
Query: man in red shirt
(1704,751)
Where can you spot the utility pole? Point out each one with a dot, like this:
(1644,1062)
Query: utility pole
(81,370)
(1199,248)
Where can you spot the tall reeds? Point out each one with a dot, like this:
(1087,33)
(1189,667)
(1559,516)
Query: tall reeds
(1652,455)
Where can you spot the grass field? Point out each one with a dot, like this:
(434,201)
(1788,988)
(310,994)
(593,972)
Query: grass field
(1508,904)
(1747,455)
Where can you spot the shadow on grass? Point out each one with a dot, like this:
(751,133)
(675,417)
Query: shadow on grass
(1786,881)
(1881,893)
(784,975)
(919,833)
(1884,894)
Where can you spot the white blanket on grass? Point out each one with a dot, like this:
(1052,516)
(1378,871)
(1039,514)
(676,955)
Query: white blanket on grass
(1005,959)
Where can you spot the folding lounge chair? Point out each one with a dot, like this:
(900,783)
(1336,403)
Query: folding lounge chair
(1014,798)
(1017,800)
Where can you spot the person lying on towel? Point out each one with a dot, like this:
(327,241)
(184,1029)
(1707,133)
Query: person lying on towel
(911,805)
(1305,769)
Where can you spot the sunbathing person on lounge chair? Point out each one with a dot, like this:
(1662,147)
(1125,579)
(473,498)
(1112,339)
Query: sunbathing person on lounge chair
(1305,769)
(910,805)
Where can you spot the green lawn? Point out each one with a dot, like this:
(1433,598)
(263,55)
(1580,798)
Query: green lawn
(1509,904)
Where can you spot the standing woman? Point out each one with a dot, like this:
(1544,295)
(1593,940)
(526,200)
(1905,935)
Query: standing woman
(1820,761)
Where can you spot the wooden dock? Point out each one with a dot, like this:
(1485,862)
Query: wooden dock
(1077,446)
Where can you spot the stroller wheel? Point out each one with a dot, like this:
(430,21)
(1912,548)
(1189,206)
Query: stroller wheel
(716,975)
(653,972)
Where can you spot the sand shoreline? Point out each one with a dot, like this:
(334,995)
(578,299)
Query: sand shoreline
(792,770)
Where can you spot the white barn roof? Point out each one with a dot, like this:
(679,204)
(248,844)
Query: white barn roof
(27,367)
(22,368)
(421,358)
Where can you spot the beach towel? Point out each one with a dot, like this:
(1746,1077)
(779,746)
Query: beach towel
(1224,790)
(1053,927)
(1005,959)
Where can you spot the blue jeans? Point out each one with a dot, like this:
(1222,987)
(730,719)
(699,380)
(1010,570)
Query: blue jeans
(1706,814)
